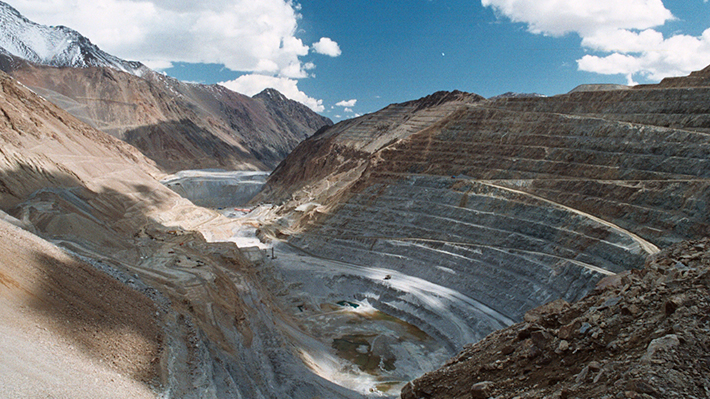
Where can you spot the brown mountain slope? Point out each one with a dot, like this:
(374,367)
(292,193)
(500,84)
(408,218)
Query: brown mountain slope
(69,330)
(178,125)
(53,318)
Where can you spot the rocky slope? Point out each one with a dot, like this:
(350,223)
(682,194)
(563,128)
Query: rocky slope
(511,202)
(63,320)
(111,273)
(178,125)
(409,232)
(639,334)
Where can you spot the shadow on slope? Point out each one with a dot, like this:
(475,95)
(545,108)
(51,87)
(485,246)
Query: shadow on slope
(108,321)
(169,144)
(99,198)
(184,313)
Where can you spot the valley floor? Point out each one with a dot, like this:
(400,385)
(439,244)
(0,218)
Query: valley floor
(367,329)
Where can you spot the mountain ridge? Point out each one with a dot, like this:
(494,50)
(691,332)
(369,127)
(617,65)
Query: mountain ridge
(493,206)
(179,125)
(57,46)
(450,217)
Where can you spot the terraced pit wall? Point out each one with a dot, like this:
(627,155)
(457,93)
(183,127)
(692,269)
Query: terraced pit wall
(511,202)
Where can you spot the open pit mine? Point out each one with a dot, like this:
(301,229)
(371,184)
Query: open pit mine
(533,247)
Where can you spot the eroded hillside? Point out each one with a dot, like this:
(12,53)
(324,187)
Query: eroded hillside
(178,125)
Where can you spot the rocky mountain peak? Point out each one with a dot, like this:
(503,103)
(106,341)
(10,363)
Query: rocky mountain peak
(57,46)
(281,107)
(271,94)
(442,97)
(179,125)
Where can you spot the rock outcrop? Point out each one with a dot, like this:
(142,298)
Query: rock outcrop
(639,334)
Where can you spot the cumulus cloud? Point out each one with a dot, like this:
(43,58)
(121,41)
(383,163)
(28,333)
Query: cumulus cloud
(557,17)
(254,83)
(243,35)
(348,103)
(675,56)
(327,46)
(619,32)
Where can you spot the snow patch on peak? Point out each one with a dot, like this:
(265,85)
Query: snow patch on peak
(271,93)
(57,46)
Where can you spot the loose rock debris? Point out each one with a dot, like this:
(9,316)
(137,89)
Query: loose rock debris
(639,334)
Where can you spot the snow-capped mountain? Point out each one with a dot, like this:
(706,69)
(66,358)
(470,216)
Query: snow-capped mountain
(57,46)
(179,125)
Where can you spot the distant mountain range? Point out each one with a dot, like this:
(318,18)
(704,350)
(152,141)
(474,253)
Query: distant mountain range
(178,125)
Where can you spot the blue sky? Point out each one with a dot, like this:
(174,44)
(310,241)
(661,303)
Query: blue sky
(366,54)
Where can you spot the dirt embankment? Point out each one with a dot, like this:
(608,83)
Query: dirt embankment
(69,330)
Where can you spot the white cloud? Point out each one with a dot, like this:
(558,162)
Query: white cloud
(557,17)
(255,83)
(158,65)
(327,46)
(619,31)
(348,103)
(623,40)
(675,56)
(243,35)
